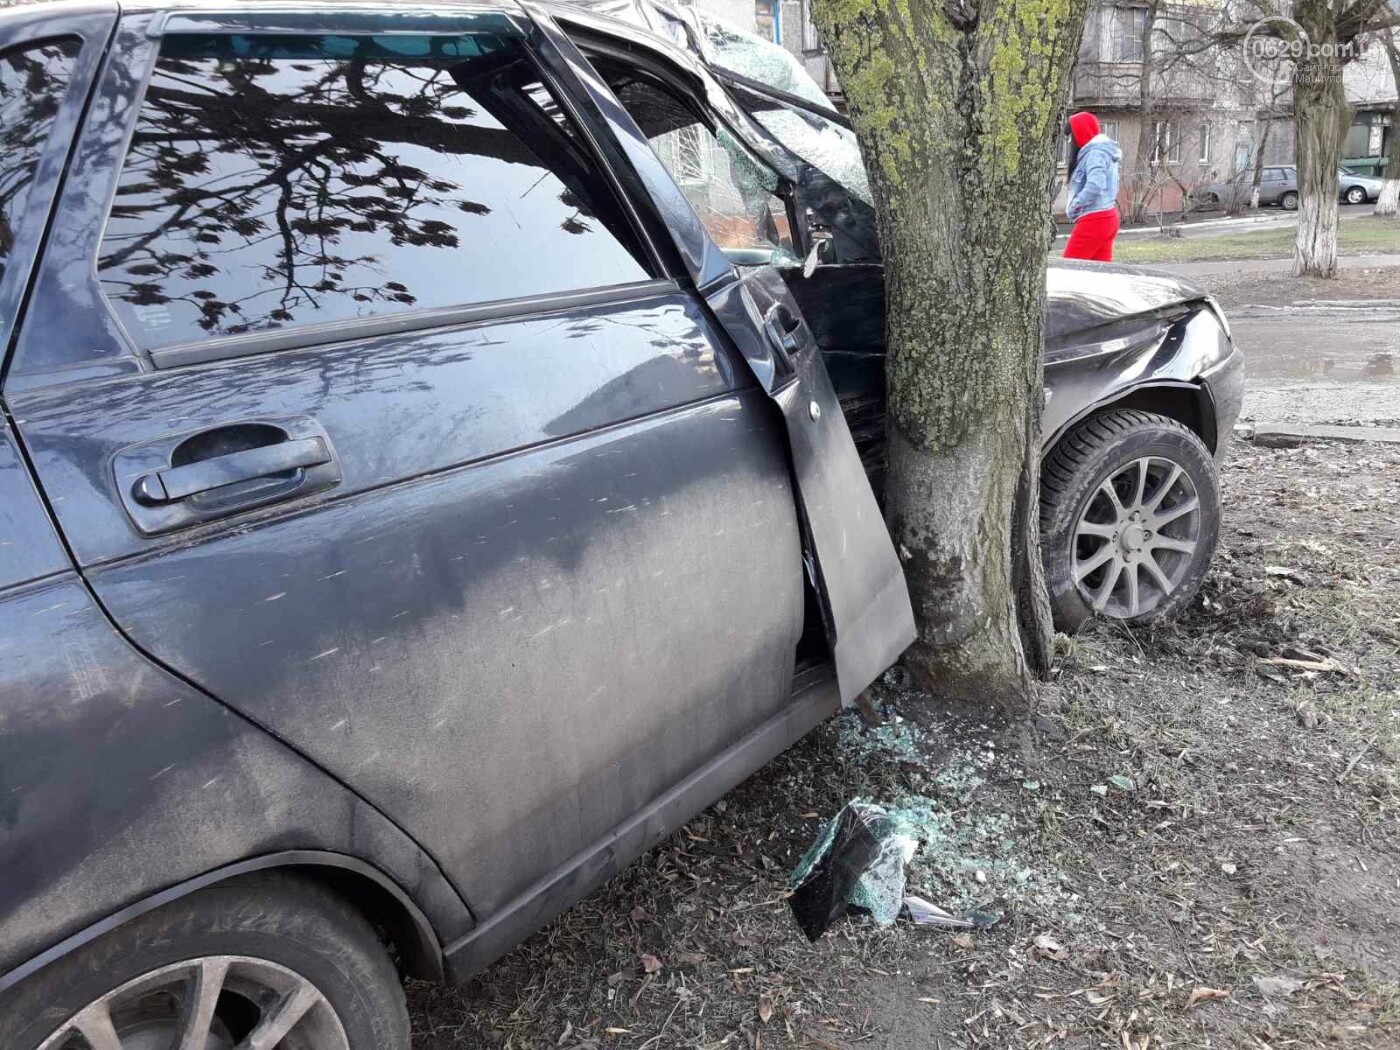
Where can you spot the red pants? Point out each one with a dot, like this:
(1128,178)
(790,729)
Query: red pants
(1092,236)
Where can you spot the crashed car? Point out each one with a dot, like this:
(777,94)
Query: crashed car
(1142,379)
(409,513)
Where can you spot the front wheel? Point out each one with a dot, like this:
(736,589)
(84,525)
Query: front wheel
(1289,201)
(273,963)
(1129,518)
(1356,195)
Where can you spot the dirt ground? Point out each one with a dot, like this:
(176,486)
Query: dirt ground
(1249,287)
(1194,843)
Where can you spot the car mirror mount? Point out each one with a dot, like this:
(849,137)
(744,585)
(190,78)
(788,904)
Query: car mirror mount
(821,239)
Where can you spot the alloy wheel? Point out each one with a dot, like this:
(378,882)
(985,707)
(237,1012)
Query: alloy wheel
(1136,537)
(217,1002)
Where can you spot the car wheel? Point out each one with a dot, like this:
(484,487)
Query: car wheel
(1129,518)
(272,963)
(1356,195)
(1289,200)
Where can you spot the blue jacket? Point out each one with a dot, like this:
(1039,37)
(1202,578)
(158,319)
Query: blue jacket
(1094,184)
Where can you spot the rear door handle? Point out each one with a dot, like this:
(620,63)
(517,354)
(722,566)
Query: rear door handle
(177,483)
(178,480)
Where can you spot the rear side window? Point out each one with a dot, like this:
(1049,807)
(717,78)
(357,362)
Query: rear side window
(286,180)
(33,79)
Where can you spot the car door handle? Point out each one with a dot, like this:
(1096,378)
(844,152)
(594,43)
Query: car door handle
(177,483)
(785,335)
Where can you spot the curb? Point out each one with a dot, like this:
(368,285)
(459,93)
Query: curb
(1270,435)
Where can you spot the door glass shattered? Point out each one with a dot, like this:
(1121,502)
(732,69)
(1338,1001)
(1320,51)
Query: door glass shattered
(731,190)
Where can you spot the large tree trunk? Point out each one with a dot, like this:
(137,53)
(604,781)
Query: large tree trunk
(1389,201)
(957,108)
(1322,118)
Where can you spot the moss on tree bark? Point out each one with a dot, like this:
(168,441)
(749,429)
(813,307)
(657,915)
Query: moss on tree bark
(957,106)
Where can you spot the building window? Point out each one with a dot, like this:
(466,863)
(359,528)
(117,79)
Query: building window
(768,20)
(811,39)
(1124,26)
(1204,157)
(1109,128)
(1166,143)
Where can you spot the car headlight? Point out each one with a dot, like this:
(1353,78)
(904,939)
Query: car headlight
(1214,305)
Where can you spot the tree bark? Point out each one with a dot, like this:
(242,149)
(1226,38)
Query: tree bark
(1144,175)
(957,107)
(1389,201)
(1322,117)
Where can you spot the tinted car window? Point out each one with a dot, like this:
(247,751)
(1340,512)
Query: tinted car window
(284,180)
(33,79)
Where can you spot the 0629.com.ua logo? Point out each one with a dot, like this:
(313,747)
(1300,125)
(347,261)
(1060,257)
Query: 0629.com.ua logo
(1275,46)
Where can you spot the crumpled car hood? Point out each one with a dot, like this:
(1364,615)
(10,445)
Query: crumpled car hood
(1082,295)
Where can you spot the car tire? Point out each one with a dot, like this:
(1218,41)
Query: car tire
(262,945)
(1289,200)
(1355,195)
(1140,553)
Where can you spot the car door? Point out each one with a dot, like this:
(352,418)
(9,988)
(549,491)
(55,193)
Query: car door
(695,163)
(366,405)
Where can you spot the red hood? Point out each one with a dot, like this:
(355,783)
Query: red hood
(1084,126)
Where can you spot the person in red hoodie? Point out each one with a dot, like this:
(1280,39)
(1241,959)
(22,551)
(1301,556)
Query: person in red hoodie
(1093,190)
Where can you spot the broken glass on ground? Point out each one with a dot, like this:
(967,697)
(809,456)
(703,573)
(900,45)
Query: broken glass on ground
(857,862)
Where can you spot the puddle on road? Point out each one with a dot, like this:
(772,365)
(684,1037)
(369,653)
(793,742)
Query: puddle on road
(1289,351)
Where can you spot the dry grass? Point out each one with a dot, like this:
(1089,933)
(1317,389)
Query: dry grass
(1181,815)
(1367,234)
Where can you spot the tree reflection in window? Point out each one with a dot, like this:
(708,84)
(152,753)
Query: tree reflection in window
(277,180)
(33,79)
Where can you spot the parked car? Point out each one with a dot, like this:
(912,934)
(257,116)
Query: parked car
(1142,379)
(420,495)
(1279,185)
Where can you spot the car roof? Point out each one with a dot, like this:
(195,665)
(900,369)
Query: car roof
(274,7)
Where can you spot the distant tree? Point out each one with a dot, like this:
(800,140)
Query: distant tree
(1389,201)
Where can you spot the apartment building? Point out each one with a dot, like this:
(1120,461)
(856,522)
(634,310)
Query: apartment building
(1187,116)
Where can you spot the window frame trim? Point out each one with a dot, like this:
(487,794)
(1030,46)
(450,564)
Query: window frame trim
(349,330)
(316,334)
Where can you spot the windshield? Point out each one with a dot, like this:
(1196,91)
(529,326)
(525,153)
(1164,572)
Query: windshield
(751,56)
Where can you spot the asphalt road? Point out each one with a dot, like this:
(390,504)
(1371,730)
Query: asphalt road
(1318,363)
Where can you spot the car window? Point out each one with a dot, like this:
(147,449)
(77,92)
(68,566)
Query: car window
(33,79)
(286,180)
(733,192)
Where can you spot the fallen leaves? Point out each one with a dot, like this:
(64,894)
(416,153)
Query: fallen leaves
(651,964)
(1278,987)
(1046,947)
(1206,995)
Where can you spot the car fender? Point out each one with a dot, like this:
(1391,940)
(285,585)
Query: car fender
(415,937)
(1167,357)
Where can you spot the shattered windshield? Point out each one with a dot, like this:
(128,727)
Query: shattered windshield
(826,145)
(753,57)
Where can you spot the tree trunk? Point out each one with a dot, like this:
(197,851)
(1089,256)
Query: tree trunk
(1268,126)
(957,108)
(1322,118)
(1144,175)
(1389,200)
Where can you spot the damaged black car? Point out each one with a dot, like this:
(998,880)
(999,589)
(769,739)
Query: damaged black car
(1142,379)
